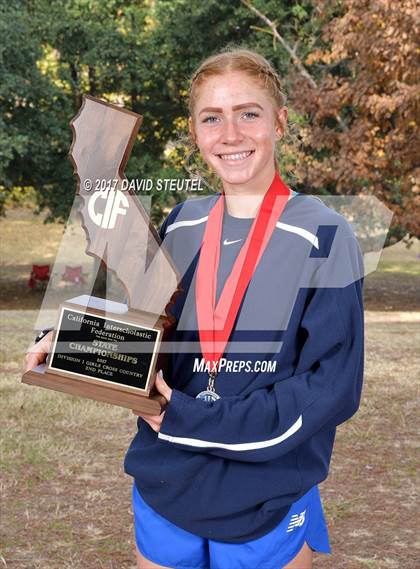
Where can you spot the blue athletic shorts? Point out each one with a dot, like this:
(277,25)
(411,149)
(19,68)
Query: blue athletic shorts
(166,544)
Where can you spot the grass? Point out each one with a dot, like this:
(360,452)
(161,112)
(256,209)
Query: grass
(65,497)
(31,231)
(26,240)
(63,487)
(66,500)
(408,268)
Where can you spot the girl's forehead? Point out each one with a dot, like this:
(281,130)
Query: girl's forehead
(224,89)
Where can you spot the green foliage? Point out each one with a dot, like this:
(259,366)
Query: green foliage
(140,54)
(34,136)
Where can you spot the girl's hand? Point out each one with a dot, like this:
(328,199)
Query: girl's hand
(37,353)
(163,396)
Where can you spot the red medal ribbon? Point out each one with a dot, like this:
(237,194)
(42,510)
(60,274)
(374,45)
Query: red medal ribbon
(215,323)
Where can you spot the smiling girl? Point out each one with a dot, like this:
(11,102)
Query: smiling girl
(268,347)
(226,477)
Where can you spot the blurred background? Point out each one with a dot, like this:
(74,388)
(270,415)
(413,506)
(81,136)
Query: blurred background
(350,73)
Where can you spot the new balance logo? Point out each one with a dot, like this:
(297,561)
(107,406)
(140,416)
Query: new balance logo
(226,242)
(296,521)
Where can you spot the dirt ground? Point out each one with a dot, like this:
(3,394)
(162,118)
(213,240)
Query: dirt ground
(65,497)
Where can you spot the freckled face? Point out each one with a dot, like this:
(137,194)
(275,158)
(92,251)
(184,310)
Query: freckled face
(235,129)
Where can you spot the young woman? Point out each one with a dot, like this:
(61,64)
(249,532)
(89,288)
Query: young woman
(267,349)
(227,475)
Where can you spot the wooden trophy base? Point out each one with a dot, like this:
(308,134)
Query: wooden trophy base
(91,365)
(43,377)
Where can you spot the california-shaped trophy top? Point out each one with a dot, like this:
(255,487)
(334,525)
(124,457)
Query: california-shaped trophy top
(117,227)
(103,137)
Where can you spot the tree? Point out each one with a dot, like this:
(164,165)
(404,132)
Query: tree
(32,149)
(139,54)
(369,78)
(348,68)
(72,48)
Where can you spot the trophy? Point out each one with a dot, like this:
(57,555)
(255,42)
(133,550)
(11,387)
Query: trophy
(102,349)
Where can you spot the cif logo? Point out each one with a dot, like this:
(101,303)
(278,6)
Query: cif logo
(116,203)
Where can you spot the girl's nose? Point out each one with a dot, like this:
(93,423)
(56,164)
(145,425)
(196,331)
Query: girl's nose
(231,132)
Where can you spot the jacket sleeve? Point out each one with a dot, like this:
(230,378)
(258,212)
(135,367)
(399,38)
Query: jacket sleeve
(272,421)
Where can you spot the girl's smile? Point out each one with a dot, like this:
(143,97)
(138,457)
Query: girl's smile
(236,157)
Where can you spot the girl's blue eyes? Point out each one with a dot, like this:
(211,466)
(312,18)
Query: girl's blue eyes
(249,113)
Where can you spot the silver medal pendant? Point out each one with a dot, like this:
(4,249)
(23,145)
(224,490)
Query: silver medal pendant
(209,394)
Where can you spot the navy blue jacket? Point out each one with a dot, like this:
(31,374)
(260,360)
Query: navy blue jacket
(231,469)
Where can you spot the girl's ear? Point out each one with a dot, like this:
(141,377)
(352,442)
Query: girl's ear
(281,122)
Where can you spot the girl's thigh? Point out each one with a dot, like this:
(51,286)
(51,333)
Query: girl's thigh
(143,563)
(303,559)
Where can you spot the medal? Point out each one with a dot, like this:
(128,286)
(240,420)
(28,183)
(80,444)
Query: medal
(209,394)
(215,323)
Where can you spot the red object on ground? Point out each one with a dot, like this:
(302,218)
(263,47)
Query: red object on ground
(39,273)
(73,275)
